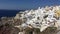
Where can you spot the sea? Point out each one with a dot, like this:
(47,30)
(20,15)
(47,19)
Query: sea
(9,13)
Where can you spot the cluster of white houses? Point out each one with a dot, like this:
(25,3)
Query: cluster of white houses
(40,18)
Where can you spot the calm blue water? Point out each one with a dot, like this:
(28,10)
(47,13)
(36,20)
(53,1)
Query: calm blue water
(8,13)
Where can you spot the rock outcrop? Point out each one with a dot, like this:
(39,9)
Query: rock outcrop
(44,20)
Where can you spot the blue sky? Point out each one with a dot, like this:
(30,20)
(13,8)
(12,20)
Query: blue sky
(26,4)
